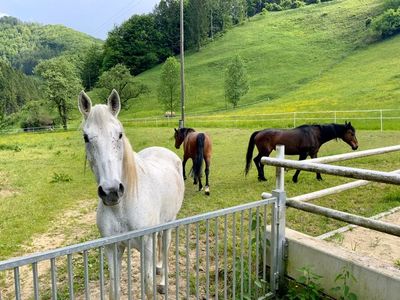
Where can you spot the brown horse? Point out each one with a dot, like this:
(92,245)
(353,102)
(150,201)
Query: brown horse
(304,141)
(197,146)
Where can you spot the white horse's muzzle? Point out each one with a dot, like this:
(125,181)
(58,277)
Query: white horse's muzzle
(111,195)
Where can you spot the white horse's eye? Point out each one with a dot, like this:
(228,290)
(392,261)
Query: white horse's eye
(120,135)
(86,138)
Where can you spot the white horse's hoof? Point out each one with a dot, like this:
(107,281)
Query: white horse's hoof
(161,289)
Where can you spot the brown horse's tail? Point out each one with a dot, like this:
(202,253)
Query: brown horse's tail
(198,161)
(249,153)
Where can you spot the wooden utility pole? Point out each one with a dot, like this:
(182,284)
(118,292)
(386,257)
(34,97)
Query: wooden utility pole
(182,120)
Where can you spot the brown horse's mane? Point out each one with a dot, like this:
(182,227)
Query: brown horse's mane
(329,131)
(186,130)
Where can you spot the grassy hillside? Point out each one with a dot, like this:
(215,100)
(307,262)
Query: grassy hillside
(316,57)
(23,44)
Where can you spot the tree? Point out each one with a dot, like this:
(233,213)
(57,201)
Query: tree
(120,79)
(197,23)
(61,84)
(136,44)
(236,83)
(169,88)
(388,23)
(91,66)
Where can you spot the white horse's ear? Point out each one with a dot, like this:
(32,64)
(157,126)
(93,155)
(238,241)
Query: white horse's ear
(114,103)
(84,104)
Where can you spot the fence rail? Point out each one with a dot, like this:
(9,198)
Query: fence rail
(213,253)
(313,165)
(383,119)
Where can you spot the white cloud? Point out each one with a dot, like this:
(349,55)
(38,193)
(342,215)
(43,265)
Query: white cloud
(3,14)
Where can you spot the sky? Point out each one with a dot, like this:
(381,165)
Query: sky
(94,17)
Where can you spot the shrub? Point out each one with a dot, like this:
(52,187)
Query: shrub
(388,23)
(60,177)
(273,7)
(394,4)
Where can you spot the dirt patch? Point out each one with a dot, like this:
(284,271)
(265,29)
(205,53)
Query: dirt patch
(5,193)
(68,228)
(5,188)
(372,243)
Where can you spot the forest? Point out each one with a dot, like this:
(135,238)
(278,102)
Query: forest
(31,54)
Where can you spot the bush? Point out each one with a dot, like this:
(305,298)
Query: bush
(394,4)
(38,121)
(388,23)
(312,1)
(273,7)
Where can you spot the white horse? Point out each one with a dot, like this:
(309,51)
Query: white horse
(135,190)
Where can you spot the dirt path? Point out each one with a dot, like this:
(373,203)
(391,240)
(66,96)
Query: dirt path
(69,228)
(372,243)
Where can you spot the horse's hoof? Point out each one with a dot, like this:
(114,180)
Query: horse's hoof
(294,180)
(161,289)
(262,179)
(158,270)
(207,191)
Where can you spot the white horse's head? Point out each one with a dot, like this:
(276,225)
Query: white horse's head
(103,136)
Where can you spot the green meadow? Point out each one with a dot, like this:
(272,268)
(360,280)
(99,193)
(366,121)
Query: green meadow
(43,175)
(318,57)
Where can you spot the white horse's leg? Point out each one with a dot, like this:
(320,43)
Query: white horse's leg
(165,270)
(114,277)
(148,267)
(159,253)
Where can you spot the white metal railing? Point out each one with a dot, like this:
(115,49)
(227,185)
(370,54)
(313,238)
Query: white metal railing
(314,166)
(218,254)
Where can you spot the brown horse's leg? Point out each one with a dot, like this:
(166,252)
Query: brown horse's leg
(260,167)
(207,171)
(319,177)
(302,156)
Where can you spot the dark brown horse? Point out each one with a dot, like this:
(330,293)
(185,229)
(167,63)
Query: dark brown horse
(198,147)
(304,141)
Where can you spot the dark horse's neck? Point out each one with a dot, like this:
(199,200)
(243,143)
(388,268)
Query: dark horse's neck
(330,132)
(186,131)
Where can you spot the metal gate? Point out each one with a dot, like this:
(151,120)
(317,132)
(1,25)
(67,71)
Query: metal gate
(217,255)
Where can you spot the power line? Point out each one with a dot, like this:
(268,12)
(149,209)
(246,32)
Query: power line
(127,8)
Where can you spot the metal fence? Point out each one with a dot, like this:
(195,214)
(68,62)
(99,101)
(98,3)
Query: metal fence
(219,255)
(379,119)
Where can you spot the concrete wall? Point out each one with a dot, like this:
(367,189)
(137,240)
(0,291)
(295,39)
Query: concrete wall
(375,279)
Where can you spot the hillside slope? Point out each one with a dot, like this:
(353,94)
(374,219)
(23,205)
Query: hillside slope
(286,54)
(24,44)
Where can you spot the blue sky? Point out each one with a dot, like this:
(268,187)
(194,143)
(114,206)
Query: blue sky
(94,17)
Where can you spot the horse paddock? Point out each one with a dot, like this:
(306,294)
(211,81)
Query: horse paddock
(202,244)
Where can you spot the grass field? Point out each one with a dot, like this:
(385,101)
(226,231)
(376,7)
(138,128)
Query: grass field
(43,175)
(319,57)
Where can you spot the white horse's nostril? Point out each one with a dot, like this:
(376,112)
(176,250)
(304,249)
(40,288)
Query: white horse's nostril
(121,190)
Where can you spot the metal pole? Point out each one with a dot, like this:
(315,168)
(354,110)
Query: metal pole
(278,228)
(182,55)
(346,217)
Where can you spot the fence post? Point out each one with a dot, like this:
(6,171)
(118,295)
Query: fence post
(381,120)
(278,228)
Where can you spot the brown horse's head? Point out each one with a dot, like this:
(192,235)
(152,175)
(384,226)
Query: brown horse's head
(179,136)
(349,136)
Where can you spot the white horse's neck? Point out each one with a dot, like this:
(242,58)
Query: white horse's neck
(129,172)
